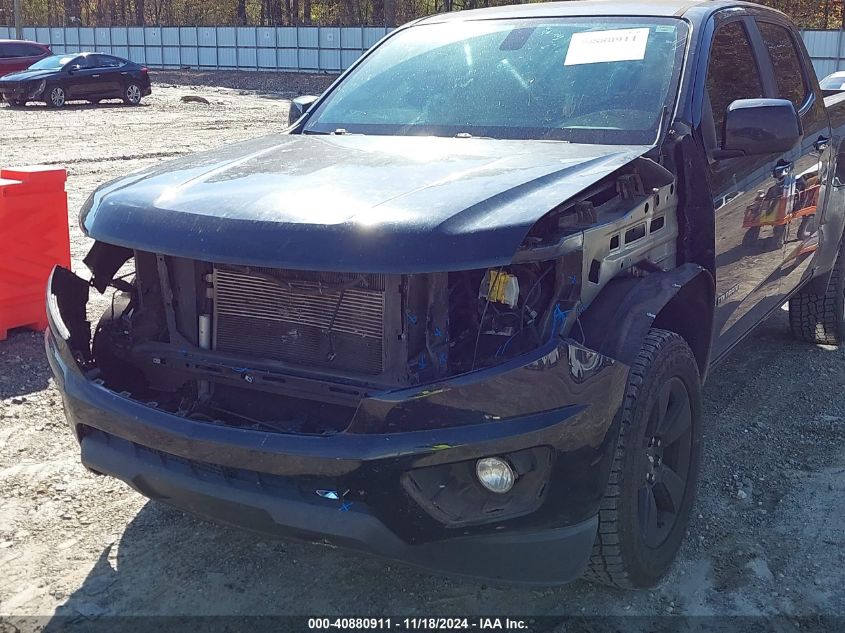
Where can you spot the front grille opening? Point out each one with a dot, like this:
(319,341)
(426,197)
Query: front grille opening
(329,320)
(275,413)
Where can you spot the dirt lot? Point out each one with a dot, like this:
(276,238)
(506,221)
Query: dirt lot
(767,533)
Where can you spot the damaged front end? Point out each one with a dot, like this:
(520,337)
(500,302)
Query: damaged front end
(376,390)
(293,351)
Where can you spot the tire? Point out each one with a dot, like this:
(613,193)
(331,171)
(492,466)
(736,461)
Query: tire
(108,348)
(132,94)
(750,237)
(655,470)
(18,103)
(806,228)
(820,318)
(779,233)
(56,97)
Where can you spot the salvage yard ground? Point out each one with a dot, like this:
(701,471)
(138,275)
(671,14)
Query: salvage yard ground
(766,537)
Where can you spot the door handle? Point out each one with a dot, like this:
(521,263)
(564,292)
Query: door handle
(95,76)
(782,169)
(821,143)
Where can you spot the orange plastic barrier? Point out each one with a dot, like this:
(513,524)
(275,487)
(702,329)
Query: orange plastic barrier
(33,238)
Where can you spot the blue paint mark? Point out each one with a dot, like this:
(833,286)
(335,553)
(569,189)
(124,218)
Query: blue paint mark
(422,364)
(573,280)
(412,319)
(442,358)
(559,319)
(344,507)
(437,332)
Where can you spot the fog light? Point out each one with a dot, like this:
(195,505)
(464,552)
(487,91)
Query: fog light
(495,474)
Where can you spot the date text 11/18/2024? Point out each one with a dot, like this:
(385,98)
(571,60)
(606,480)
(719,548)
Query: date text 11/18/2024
(418,624)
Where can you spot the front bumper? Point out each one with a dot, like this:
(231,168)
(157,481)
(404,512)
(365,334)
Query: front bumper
(522,556)
(276,483)
(12,92)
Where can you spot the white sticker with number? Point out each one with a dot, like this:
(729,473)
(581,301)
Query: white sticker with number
(617,45)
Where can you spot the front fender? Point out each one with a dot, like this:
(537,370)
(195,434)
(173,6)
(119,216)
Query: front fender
(680,300)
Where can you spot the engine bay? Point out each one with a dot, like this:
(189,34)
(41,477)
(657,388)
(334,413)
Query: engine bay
(296,351)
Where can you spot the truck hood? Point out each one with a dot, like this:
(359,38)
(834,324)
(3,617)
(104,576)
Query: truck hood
(349,203)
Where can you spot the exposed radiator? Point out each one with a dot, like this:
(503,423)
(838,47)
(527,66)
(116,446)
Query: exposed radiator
(327,320)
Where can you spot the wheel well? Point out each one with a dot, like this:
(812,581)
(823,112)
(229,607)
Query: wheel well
(690,315)
(680,300)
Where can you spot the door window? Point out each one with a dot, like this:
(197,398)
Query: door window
(33,51)
(86,63)
(16,49)
(107,61)
(731,72)
(787,65)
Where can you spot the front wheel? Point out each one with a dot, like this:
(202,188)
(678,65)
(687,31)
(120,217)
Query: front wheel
(646,508)
(132,94)
(56,97)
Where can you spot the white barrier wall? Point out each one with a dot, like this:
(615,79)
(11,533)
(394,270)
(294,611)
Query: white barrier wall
(827,49)
(287,48)
(305,49)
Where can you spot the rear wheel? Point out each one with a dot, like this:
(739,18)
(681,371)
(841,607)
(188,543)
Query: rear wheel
(645,510)
(751,236)
(132,94)
(56,97)
(820,318)
(779,233)
(18,103)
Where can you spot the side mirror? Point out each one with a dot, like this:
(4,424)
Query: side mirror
(760,126)
(299,106)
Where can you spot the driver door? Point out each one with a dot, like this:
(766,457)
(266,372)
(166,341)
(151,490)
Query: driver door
(751,193)
(82,81)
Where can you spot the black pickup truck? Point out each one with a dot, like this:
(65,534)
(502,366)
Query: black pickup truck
(460,311)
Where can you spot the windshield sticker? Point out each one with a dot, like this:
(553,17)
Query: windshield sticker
(618,45)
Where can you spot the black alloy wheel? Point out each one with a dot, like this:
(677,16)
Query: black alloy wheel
(668,451)
(646,507)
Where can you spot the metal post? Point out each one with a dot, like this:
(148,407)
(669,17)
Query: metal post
(17,12)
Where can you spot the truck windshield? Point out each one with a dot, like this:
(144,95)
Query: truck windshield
(596,80)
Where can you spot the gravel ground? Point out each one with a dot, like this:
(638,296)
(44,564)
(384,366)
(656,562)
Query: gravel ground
(766,536)
(287,84)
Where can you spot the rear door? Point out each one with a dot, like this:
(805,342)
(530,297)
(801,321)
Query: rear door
(31,53)
(15,56)
(749,192)
(799,226)
(110,82)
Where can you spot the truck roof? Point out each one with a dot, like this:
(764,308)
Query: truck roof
(661,8)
